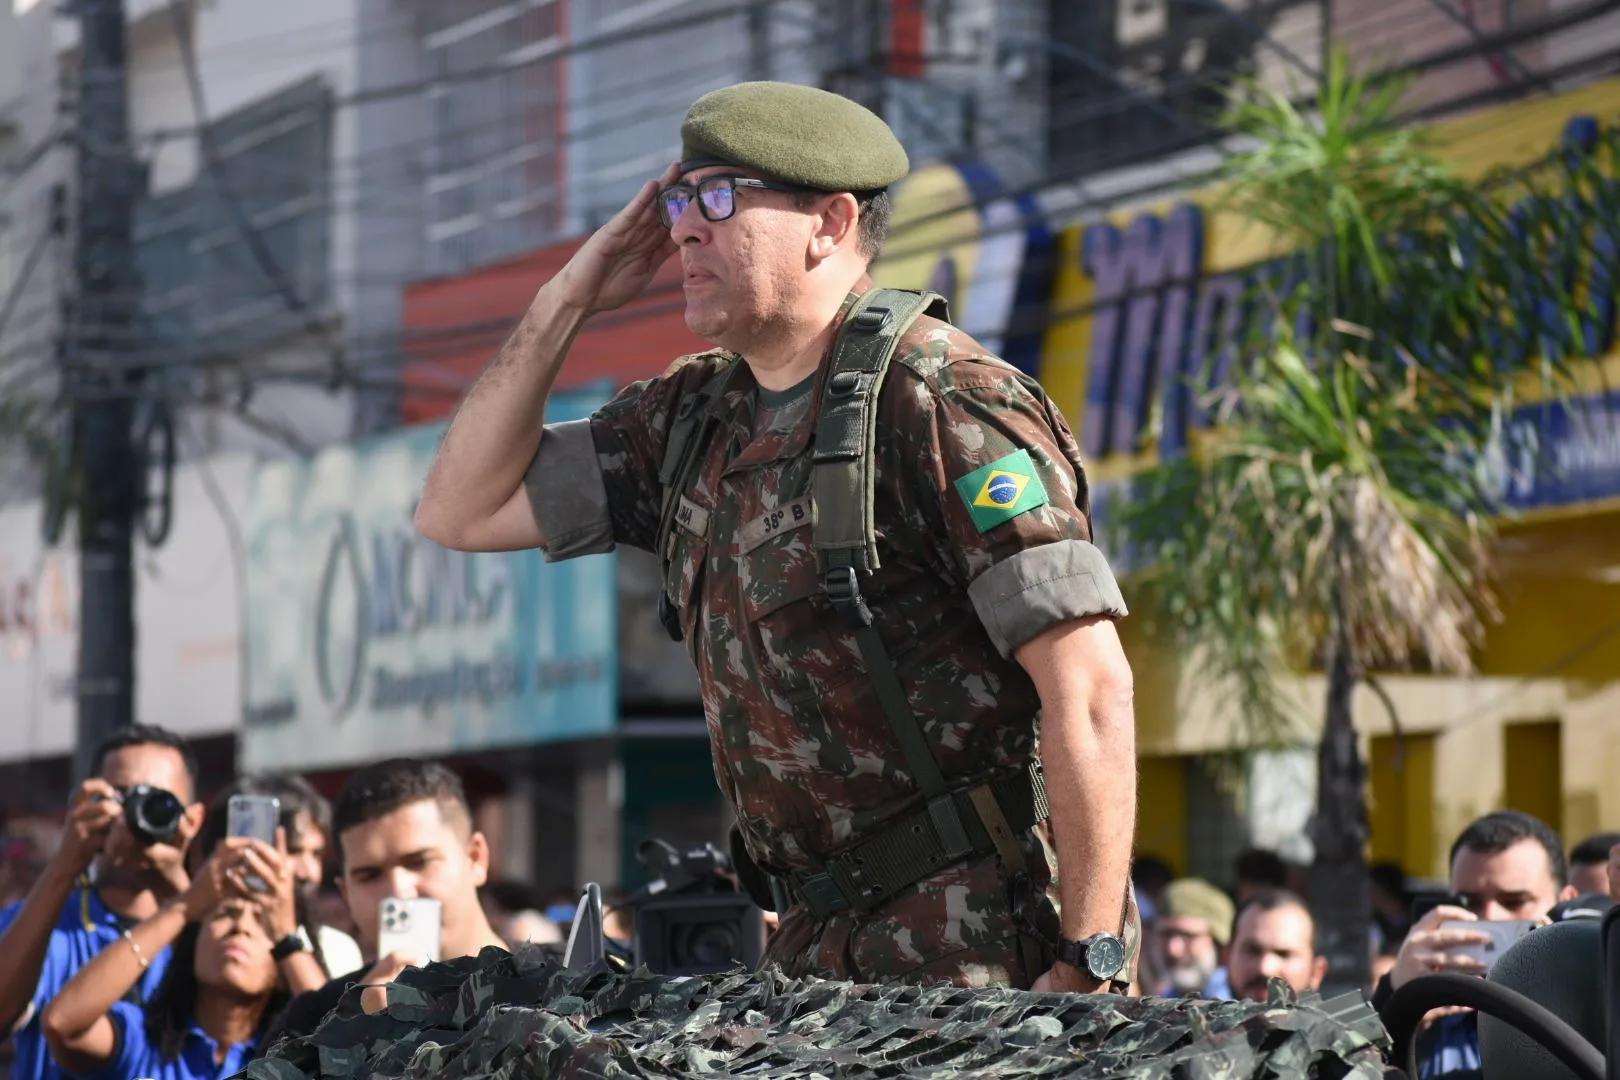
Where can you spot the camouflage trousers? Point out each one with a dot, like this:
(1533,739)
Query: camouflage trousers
(973,924)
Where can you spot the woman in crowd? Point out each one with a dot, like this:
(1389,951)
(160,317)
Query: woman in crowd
(225,981)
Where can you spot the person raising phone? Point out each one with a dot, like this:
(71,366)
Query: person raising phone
(405,831)
(221,987)
(1507,865)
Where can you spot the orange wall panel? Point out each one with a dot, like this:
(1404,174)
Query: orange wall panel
(454,325)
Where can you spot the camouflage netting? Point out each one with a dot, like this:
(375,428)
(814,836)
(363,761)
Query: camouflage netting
(500,1017)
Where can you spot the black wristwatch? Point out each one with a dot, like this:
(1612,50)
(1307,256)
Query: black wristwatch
(287,946)
(1101,956)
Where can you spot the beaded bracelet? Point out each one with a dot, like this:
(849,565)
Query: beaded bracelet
(135,948)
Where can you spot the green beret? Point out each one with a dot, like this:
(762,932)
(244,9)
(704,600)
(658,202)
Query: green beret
(795,134)
(1195,898)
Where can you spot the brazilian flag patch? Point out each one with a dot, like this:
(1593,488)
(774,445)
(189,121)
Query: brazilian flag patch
(1002,490)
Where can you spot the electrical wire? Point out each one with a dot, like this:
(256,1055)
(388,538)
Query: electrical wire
(410,358)
(25,273)
(245,228)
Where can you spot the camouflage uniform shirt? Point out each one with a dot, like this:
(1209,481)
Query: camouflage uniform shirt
(802,749)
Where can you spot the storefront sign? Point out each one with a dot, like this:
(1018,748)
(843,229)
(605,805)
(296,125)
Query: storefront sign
(366,640)
(988,253)
(1559,453)
(1147,305)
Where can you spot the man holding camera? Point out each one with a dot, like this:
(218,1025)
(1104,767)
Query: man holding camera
(121,855)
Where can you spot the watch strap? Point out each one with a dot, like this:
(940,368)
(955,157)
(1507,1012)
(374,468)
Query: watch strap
(288,946)
(1077,954)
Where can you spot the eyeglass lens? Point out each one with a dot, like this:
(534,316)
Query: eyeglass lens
(716,200)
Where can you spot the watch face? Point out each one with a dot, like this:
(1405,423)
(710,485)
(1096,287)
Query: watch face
(1105,955)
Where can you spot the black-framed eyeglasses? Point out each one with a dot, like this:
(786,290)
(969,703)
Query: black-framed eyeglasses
(716,197)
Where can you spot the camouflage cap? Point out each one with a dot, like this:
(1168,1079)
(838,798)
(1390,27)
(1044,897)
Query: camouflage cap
(1195,898)
(795,134)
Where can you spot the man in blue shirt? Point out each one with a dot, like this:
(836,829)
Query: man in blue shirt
(1505,865)
(100,881)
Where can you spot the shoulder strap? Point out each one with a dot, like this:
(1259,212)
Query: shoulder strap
(843,472)
(844,469)
(689,434)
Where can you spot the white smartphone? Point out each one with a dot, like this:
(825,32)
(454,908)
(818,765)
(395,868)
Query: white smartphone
(409,927)
(1504,934)
(256,816)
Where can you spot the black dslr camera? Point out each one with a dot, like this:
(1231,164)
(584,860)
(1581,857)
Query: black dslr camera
(152,814)
(692,919)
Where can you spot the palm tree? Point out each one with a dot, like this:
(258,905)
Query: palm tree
(1338,509)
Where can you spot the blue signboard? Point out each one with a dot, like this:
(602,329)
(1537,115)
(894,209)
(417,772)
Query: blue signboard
(1560,454)
(1548,455)
(365,640)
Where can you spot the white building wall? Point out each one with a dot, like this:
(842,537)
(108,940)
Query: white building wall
(245,52)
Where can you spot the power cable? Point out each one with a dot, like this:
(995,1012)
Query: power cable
(19,286)
(244,226)
(1120,198)
(1495,58)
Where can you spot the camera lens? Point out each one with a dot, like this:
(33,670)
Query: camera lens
(153,814)
(707,945)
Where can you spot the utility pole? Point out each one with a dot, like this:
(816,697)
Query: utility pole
(102,378)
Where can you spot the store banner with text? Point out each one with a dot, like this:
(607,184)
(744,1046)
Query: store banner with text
(365,640)
(1147,300)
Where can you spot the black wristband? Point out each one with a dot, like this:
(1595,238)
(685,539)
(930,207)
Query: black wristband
(287,946)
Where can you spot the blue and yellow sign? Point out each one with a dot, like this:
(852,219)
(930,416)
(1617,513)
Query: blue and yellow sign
(956,232)
(1141,303)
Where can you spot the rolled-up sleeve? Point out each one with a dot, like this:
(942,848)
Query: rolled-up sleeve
(1040,587)
(593,483)
(567,493)
(1010,500)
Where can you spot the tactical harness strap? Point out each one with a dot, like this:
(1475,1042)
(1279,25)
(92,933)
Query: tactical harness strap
(689,433)
(843,483)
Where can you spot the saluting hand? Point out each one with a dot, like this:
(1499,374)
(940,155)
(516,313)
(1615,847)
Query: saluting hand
(614,266)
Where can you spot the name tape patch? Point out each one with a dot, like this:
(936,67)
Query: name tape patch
(1002,490)
(692,517)
(774,522)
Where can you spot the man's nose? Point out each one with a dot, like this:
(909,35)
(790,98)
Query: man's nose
(1494,912)
(1271,964)
(691,227)
(402,883)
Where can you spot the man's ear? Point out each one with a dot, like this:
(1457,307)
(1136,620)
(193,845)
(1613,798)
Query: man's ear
(478,852)
(1319,968)
(192,821)
(1569,892)
(835,226)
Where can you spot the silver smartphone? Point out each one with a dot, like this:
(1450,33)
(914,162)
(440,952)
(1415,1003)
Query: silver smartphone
(256,816)
(409,927)
(1504,934)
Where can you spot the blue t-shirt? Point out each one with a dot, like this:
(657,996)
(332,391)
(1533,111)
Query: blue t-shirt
(1449,1050)
(138,1059)
(85,928)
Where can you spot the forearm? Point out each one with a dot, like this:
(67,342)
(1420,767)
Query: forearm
(303,973)
(1088,753)
(26,941)
(497,430)
(106,979)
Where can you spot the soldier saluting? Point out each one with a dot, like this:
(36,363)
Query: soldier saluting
(877,547)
